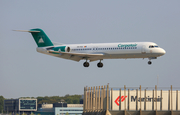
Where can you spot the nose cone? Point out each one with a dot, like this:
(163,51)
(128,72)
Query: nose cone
(162,51)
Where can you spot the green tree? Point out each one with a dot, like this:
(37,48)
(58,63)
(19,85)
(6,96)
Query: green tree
(32,114)
(24,114)
(67,113)
(1,103)
(70,99)
(76,101)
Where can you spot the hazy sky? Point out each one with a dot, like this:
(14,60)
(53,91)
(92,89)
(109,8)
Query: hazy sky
(25,72)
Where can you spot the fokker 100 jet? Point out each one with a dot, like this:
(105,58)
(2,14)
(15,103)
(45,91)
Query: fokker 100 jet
(97,51)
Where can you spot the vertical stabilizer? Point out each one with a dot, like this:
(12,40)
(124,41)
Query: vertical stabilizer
(40,38)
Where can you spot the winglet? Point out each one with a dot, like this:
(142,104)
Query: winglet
(25,31)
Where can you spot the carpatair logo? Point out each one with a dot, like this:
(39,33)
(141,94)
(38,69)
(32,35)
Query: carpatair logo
(41,40)
(127,45)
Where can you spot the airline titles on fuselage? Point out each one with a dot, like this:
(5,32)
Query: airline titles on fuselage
(120,46)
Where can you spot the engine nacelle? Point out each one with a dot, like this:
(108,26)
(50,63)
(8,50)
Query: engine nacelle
(68,49)
(62,48)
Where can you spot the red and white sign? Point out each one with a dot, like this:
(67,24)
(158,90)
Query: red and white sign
(149,99)
(122,99)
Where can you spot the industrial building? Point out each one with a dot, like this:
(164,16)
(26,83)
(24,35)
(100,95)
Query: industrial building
(50,109)
(20,105)
(29,106)
(131,101)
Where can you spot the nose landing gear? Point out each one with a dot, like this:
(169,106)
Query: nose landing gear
(149,62)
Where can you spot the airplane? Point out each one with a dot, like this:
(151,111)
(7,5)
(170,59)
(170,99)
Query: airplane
(95,51)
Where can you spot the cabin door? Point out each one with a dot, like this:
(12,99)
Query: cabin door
(143,50)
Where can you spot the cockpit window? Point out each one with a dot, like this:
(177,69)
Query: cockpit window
(152,46)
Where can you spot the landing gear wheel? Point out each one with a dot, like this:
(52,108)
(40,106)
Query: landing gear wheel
(149,62)
(100,65)
(86,64)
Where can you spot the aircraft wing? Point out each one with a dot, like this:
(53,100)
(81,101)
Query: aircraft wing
(77,56)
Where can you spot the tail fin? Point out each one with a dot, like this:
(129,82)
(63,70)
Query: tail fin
(40,38)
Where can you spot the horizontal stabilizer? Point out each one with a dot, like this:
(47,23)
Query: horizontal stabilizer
(39,36)
(25,31)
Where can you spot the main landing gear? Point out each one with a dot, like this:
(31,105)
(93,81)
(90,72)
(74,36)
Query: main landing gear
(86,64)
(100,65)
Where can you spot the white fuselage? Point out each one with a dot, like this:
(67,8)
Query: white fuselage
(113,50)
(97,51)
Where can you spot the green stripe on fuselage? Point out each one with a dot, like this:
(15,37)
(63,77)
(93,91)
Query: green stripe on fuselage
(60,48)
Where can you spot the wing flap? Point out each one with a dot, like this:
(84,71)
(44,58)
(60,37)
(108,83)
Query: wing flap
(75,54)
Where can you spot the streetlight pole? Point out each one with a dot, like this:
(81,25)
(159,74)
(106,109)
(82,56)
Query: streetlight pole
(62,108)
(62,101)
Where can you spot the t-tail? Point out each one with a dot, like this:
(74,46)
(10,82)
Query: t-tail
(40,37)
